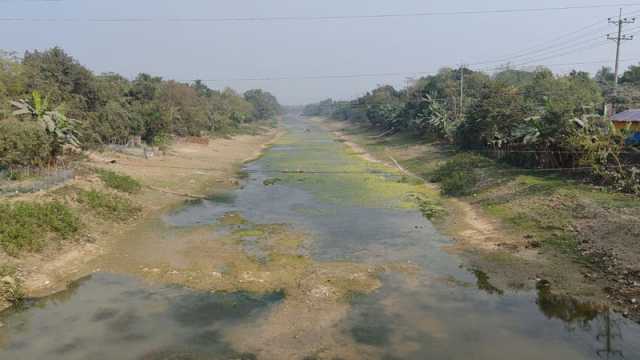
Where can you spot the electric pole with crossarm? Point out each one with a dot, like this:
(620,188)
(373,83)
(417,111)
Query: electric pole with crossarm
(619,38)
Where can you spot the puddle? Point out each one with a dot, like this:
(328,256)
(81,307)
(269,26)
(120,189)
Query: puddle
(352,211)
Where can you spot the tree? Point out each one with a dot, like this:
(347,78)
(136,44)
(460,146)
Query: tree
(631,76)
(491,120)
(605,77)
(61,78)
(265,105)
(11,81)
(60,129)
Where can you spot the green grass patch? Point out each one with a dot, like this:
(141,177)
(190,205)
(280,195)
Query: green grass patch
(545,224)
(119,182)
(26,226)
(110,206)
(431,209)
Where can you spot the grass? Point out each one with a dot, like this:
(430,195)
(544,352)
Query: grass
(119,182)
(109,206)
(26,226)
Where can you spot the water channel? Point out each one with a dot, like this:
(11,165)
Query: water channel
(352,211)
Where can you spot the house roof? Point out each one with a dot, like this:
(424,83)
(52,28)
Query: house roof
(632,115)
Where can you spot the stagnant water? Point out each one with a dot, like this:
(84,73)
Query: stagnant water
(352,212)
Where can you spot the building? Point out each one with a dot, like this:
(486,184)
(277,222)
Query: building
(631,119)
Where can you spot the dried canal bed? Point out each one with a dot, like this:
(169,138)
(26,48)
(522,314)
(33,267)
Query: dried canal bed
(320,254)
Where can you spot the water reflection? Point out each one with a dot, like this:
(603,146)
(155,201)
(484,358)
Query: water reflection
(107,316)
(483,283)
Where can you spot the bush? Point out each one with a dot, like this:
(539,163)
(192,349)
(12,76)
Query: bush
(119,182)
(458,175)
(110,206)
(27,226)
(23,143)
(431,209)
(460,183)
(464,162)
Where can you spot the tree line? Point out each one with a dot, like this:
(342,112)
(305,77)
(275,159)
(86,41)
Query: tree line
(533,119)
(48,99)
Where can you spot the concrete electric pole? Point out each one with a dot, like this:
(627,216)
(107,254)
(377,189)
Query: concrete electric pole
(619,38)
(461,91)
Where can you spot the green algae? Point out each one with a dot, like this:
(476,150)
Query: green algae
(337,174)
(232,218)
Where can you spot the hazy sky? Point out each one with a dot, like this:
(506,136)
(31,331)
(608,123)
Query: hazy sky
(224,50)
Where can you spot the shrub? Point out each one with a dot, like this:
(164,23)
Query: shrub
(465,162)
(459,175)
(23,143)
(110,206)
(460,183)
(119,182)
(431,209)
(27,226)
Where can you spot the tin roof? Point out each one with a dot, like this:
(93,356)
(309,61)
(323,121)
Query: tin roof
(632,115)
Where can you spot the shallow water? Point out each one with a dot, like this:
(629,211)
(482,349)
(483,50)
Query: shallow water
(353,211)
(108,316)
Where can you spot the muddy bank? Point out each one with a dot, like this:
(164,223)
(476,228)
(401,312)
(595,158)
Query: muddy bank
(504,230)
(185,169)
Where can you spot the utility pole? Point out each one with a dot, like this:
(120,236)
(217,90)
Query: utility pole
(619,38)
(609,333)
(461,91)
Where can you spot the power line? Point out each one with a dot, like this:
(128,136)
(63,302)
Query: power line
(384,74)
(552,43)
(330,17)
(317,77)
(538,48)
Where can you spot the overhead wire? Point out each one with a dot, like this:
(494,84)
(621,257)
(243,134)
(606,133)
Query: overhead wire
(326,17)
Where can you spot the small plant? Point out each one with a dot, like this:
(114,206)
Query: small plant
(431,209)
(27,226)
(119,182)
(10,286)
(110,206)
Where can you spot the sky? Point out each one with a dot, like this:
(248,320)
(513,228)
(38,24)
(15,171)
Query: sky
(299,49)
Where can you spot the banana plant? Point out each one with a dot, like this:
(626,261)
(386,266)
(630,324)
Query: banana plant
(54,122)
